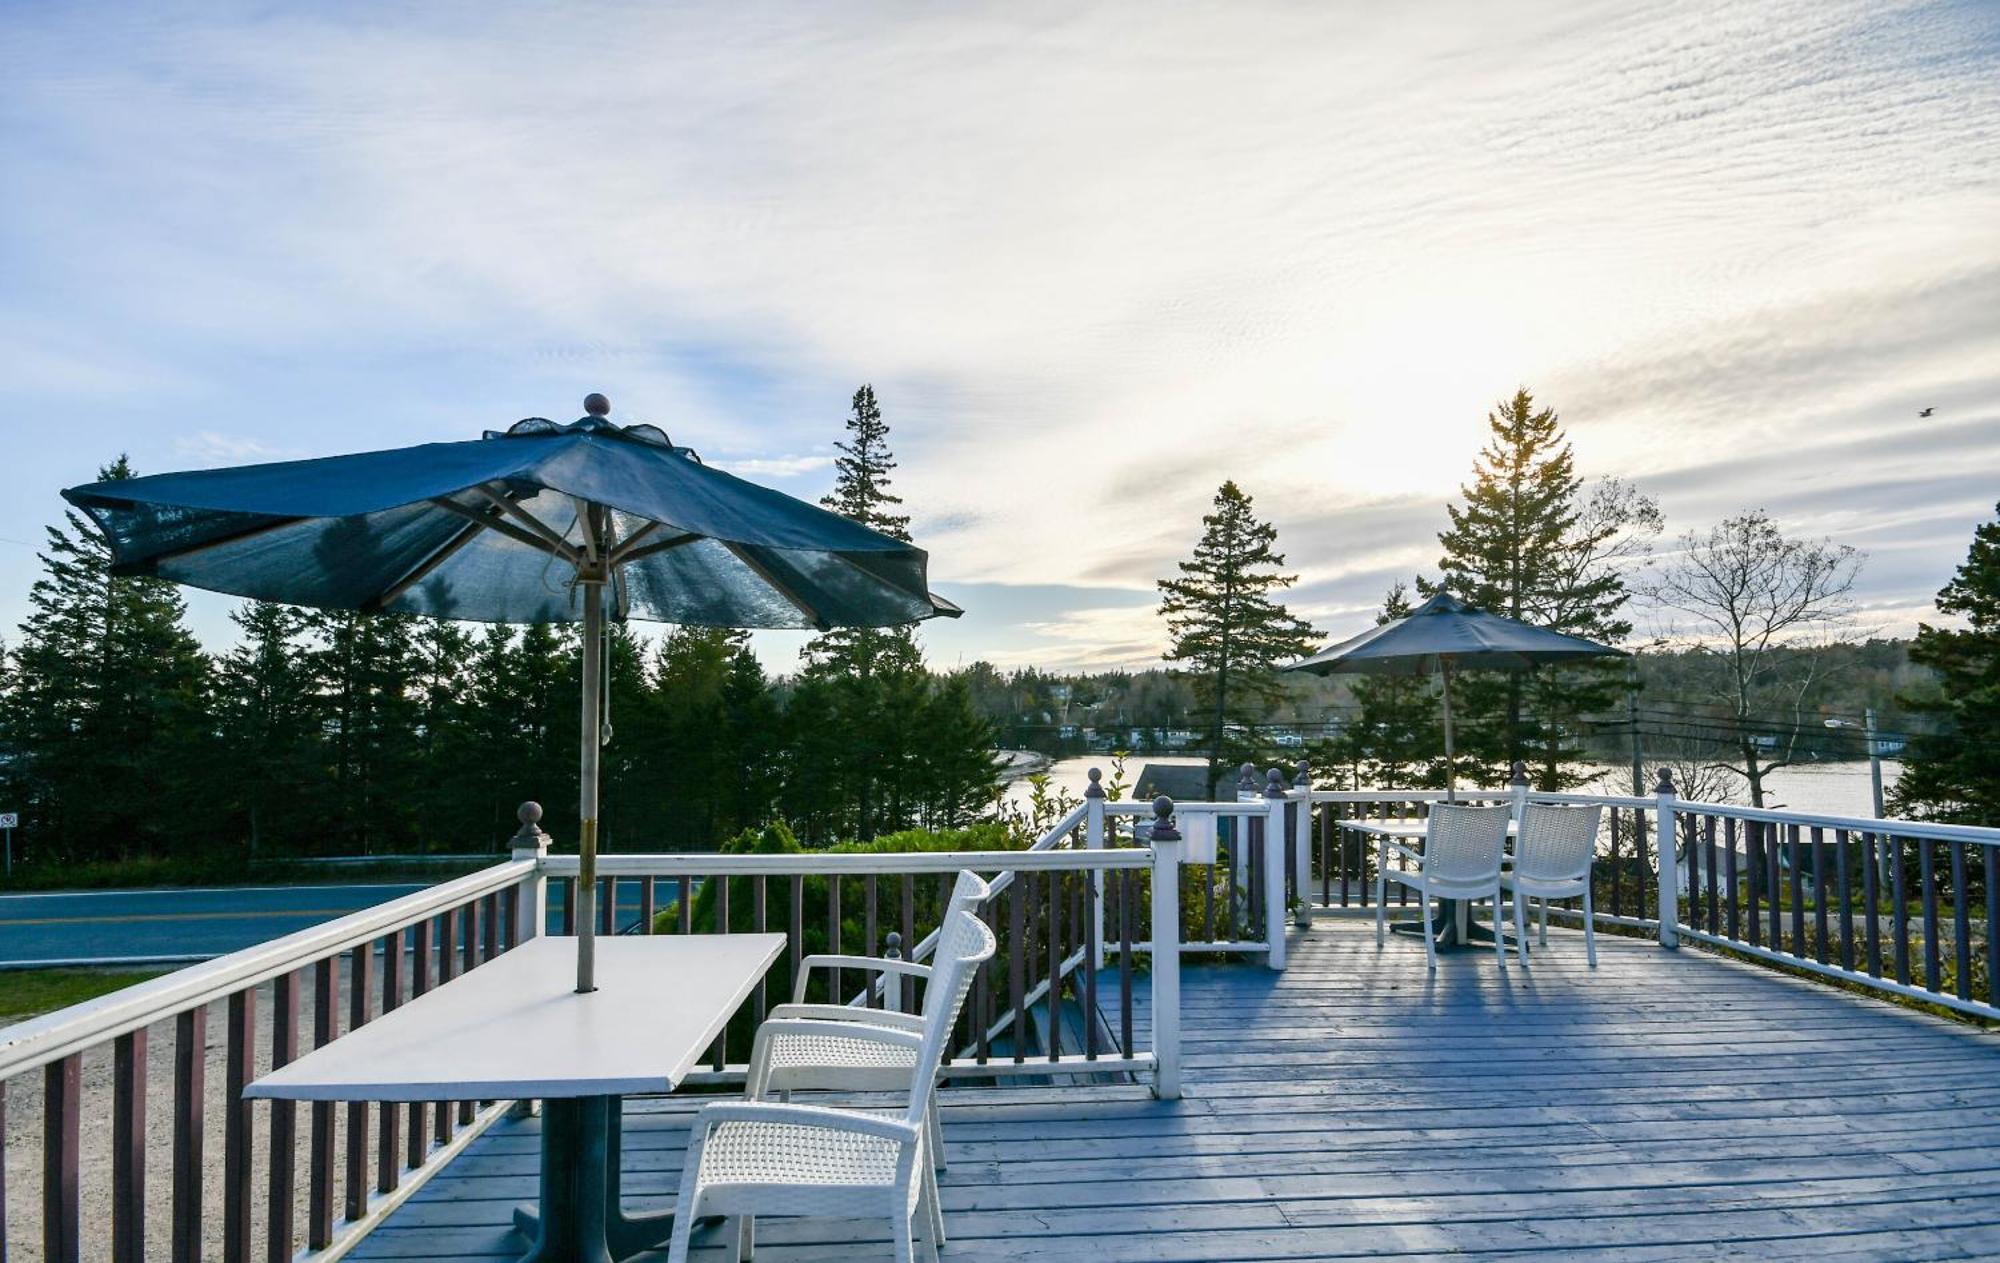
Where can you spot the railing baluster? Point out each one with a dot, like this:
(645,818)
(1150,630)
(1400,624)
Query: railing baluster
(62,1116)
(1821,930)
(415,1141)
(648,894)
(358,1012)
(1793,855)
(983,1003)
(128,1148)
(1899,896)
(607,915)
(449,934)
(1992,857)
(1639,857)
(1125,961)
(687,905)
(1845,886)
(284,1122)
(568,887)
(475,912)
(797,933)
(757,919)
(1617,869)
(1927,873)
(319,1208)
(909,938)
(719,1054)
(1055,964)
(1961,925)
(1714,895)
(1729,863)
(387,1173)
(1776,924)
(1017,946)
(1087,889)
(190,1093)
(833,936)
(1871,913)
(240,1061)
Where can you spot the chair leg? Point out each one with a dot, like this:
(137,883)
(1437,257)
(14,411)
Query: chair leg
(1589,927)
(1430,943)
(1499,935)
(1520,927)
(937,1208)
(1381,909)
(746,1244)
(1542,939)
(934,1128)
(899,1237)
(732,1235)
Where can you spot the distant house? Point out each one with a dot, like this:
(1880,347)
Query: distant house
(1178,781)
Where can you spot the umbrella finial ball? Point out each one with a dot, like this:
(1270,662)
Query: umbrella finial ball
(596,405)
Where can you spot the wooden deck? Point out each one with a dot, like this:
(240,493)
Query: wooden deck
(1665,1106)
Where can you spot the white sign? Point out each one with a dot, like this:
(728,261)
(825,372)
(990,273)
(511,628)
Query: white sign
(10,820)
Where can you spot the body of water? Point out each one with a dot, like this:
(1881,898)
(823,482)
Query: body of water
(1833,789)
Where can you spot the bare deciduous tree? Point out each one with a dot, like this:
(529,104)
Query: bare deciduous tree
(1749,600)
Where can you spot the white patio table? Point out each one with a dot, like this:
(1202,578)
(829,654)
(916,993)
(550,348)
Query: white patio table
(1457,930)
(515,1028)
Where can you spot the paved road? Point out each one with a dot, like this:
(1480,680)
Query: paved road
(178,925)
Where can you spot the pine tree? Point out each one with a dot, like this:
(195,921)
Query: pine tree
(1954,775)
(1529,543)
(1227,628)
(267,712)
(364,665)
(107,715)
(861,493)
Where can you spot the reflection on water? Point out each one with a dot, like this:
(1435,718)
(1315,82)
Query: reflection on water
(1829,789)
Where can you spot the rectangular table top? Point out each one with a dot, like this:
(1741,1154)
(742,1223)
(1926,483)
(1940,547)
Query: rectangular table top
(515,1028)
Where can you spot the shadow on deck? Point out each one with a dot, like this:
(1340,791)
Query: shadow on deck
(1664,1106)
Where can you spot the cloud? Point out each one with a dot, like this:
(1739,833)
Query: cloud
(210,448)
(1094,259)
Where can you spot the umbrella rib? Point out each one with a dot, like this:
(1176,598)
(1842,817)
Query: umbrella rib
(629,554)
(506,528)
(626,545)
(425,568)
(554,541)
(151,563)
(778,585)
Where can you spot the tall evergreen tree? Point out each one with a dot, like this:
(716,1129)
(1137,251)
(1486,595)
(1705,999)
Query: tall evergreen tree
(1531,543)
(1227,628)
(1955,775)
(107,716)
(365,665)
(269,720)
(861,493)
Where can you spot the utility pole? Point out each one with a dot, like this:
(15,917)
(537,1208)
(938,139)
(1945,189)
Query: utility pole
(1874,759)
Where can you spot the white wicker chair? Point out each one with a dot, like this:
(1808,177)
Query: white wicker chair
(1463,847)
(811,1047)
(1552,856)
(763,1158)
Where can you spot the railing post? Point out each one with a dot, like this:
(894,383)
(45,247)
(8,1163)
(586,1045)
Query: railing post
(531,907)
(1166,951)
(1301,835)
(1276,806)
(1664,835)
(1094,839)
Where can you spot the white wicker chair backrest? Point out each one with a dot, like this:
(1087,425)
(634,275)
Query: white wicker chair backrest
(1465,843)
(1556,843)
(965,943)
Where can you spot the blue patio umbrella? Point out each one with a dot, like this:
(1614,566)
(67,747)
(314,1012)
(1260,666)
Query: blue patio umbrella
(540,523)
(1441,635)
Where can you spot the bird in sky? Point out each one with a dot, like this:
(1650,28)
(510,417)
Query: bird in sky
(1926,412)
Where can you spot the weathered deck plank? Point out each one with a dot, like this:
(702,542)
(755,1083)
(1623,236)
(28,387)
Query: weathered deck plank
(1663,1106)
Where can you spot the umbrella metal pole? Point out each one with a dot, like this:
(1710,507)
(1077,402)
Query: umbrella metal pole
(593,699)
(1450,769)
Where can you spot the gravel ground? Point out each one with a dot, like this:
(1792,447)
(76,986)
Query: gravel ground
(24,1139)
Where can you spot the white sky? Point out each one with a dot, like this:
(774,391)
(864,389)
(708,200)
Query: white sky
(1094,258)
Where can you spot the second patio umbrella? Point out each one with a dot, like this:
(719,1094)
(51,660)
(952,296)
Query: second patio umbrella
(1442,635)
(541,523)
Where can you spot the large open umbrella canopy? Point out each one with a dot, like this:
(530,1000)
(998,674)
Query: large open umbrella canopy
(540,523)
(1442,634)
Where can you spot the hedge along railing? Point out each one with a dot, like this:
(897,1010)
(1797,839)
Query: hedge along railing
(1046,911)
(354,1172)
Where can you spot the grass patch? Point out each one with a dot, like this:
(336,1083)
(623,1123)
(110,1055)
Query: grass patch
(28,993)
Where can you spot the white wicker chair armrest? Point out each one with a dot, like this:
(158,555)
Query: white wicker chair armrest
(876,964)
(852,1014)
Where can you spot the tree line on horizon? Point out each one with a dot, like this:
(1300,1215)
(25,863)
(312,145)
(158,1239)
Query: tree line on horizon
(324,732)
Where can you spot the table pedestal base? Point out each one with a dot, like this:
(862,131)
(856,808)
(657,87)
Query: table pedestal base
(581,1218)
(1444,930)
